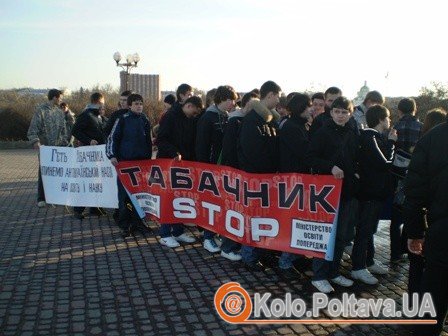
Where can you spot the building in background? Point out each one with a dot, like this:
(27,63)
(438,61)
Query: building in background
(146,85)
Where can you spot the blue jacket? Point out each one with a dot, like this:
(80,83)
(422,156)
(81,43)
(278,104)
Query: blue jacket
(130,138)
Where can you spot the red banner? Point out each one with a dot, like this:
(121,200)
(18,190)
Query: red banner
(287,212)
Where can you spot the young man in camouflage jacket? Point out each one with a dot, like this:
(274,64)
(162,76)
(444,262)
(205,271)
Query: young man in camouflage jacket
(48,127)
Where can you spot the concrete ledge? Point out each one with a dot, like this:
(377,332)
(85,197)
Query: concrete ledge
(15,145)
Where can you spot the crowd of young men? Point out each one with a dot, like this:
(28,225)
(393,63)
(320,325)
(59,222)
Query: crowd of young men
(271,133)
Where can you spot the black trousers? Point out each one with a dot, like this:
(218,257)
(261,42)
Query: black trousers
(435,282)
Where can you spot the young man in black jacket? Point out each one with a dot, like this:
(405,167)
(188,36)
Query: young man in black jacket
(425,214)
(258,148)
(334,150)
(176,139)
(229,248)
(209,136)
(89,131)
(375,160)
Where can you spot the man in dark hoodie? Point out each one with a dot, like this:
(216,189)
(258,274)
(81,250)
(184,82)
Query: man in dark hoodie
(210,132)
(89,131)
(334,150)
(258,148)
(425,214)
(176,139)
(375,160)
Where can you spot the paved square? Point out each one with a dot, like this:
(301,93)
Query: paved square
(60,276)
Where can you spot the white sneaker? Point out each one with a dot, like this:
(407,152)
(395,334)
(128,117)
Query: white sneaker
(185,238)
(41,204)
(378,268)
(231,256)
(169,241)
(323,286)
(218,240)
(210,245)
(365,276)
(342,281)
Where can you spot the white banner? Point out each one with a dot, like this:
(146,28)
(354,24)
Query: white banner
(80,176)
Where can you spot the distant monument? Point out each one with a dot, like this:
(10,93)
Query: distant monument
(361,95)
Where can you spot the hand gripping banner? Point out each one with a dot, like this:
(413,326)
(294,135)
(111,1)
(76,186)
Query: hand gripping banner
(294,213)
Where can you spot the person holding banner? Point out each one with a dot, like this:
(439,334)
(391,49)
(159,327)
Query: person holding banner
(130,139)
(293,145)
(258,149)
(89,131)
(48,127)
(229,155)
(176,140)
(334,150)
(209,136)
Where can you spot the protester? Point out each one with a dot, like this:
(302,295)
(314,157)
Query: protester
(176,138)
(209,136)
(168,101)
(130,139)
(89,131)
(123,108)
(375,160)
(408,130)
(293,147)
(425,214)
(318,101)
(331,94)
(229,157)
(417,262)
(372,98)
(258,148)
(69,121)
(334,150)
(48,127)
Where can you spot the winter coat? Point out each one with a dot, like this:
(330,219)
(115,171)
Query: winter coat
(375,160)
(48,126)
(177,135)
(130,138)
(335,145)
(257,142)
(210,131)
(294,141)
(426,187)
(89,126)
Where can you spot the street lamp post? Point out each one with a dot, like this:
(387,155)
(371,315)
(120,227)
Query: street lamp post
(131,62)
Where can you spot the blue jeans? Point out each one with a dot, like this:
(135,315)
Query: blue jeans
(347,218)
(286,260)
(228,245)
(167,230)
(250,254)
(364,248)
